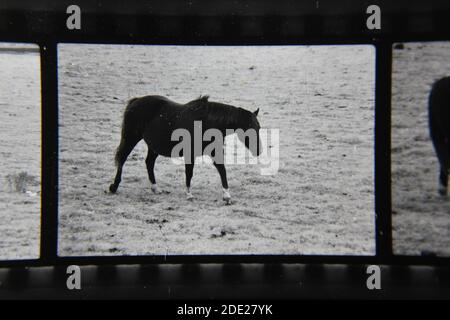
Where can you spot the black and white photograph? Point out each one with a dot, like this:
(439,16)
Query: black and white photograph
(20,151)
(421,148)
(206,153)
(304,186)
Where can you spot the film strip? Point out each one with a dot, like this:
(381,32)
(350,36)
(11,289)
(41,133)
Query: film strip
(220,48)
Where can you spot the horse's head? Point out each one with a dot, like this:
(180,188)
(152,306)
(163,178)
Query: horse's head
(250,137)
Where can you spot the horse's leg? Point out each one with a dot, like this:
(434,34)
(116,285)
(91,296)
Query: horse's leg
(443,179)
(440,143)
(150,162)
(443,154)
(223,177)
(447,167)
(189,173)
(444,159)
(124,150)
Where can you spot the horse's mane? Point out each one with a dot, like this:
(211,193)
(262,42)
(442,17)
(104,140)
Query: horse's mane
(217,113)
(199,101)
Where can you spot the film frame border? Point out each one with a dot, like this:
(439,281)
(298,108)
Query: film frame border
(196,282)
(317,29)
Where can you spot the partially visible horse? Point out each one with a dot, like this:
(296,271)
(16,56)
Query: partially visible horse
(439,123)
(155,118)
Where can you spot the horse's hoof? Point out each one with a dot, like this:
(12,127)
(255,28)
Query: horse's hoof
(226,196)
(155,189)
(112,188)
(190,197)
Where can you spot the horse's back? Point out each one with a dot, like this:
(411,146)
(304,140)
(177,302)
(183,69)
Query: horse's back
(152,116)
(143,109)
(149,103)
(439,107)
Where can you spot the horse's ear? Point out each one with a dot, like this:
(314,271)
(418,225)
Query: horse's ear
(256,112)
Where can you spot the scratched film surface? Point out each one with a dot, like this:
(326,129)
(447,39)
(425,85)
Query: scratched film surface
(320,201)
(421,217)
(20,151)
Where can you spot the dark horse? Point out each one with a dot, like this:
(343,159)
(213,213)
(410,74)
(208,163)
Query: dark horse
(155,118)
(439,122)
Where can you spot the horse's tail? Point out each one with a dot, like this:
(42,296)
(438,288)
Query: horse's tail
(129,135)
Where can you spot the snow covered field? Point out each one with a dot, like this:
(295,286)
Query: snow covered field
(321,201)
(20,151)
(421,218)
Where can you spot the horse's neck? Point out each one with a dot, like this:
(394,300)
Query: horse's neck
(231,123)
(238,120)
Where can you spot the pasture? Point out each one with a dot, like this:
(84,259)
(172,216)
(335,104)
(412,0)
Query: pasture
(20,151)
(421,217)
(321,200)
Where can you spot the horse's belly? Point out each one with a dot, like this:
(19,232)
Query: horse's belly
(161,150)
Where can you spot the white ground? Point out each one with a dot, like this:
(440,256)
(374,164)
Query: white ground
(320,202)
(421,218)
(20,153)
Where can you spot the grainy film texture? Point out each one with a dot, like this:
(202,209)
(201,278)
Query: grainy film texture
(420,214)
(319,201)
(20,151)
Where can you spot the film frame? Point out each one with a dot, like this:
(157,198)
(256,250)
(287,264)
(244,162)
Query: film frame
(179,23)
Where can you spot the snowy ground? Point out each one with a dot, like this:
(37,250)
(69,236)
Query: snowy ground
(421,218)
(320,202)
(20,151)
